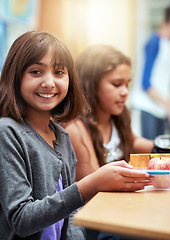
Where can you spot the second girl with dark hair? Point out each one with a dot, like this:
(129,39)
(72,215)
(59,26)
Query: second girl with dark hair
(105,134)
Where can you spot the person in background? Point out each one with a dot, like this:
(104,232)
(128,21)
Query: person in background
(39,194)
(104,134)
(153,96)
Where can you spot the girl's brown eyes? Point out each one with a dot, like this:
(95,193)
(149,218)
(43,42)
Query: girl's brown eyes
(120,84)
(116,85)
(38,72)
(59,72)
(35,72)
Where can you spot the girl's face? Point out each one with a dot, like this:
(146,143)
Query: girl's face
(113,90)
(44,85)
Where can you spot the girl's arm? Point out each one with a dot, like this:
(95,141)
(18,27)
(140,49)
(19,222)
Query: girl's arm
(115,176)
(82,143)
(28,181)
(142,145)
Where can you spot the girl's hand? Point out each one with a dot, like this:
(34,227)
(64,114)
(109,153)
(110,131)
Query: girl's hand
(116,176)
(121,163)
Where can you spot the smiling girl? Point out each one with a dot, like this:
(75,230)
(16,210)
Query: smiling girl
(105,134)
(39,194)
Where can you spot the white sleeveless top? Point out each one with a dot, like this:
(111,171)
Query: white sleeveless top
(113,151)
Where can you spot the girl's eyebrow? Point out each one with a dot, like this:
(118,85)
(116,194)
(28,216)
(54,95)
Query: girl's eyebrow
(59,65)
(39,63)
(117,79)
(120,80)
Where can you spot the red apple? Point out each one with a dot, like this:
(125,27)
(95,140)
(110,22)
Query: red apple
(160,163)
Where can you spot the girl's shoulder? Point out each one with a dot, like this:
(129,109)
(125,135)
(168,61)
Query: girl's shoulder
(12,129)
(7,122)
(83,146)
(75,126)
(77,131)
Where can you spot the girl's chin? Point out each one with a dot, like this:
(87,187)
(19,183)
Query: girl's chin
(117,112)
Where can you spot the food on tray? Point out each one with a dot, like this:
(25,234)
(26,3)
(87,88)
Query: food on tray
(160,163)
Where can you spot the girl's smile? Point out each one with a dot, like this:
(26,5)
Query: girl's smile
(45,95)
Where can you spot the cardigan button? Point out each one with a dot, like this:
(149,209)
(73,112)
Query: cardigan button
(59,154)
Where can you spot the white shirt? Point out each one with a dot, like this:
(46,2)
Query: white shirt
(113,151)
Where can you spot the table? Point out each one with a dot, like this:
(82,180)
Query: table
(143,214)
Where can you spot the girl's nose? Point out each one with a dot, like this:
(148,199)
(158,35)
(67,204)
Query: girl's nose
(124,90)
(48,81)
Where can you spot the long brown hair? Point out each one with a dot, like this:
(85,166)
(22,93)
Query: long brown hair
(91,66)
(26,50)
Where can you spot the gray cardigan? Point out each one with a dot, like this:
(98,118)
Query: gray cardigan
(29,173)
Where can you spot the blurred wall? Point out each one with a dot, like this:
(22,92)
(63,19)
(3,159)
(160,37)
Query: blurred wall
(80,23)
(16,17)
